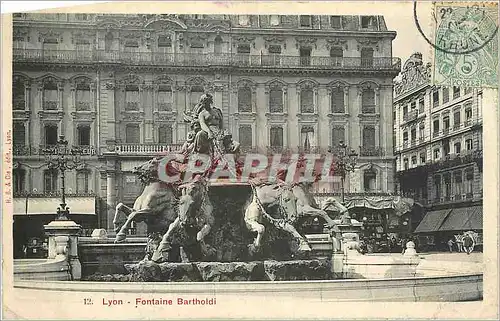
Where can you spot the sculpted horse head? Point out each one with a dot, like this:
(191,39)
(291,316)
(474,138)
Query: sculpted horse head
(147,171)
(279,194)
(191,200)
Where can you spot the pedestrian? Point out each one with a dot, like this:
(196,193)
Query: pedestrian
(450,244)
(468,244)
(459,240)
(403,245)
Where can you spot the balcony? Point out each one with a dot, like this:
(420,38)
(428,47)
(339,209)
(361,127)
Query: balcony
(204,60)
(164,106)
(412,115)
(146,149)
(370,151)
(23,150)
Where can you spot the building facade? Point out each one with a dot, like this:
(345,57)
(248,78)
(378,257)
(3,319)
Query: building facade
(118,85)
(438,147)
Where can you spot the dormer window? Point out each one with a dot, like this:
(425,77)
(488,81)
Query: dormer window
(275,20)
(336,22)
(367,22)
(305,21)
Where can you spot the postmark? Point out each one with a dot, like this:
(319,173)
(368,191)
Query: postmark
(465,50)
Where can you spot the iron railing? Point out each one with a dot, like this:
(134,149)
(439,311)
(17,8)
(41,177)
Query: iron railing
(207,59)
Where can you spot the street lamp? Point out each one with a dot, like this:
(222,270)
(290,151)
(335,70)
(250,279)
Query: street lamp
(345,163)
(62,158)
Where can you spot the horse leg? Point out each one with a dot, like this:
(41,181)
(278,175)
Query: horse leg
(311,211)
(303,245)
(121,235)
(203,232)
(254,226)
(164,244)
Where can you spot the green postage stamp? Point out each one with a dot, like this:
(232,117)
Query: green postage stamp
(465,48)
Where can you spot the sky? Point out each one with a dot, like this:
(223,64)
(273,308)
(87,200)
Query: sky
(398,15)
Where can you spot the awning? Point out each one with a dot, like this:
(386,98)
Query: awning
(49,205)
(432,221)
(399,204)
(465,218)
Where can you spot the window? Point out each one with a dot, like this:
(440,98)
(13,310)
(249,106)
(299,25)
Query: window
(405,112)
(456,92)
(468,90)
(446,147)
(413,135)
(421,105)
(468,113)
(83,133)
(50,132)
(436,153)
(435,98)
(131,98)
(338,135)
(406,164)
(244,99)
(276,136)
(108,42)
(164,42)
(446,95)
(164,98)
(307,137)
(83,98)
(50,180)
(50,48)
(18,95)
(456,119)
(81,16)
(366,57)
(305,56)
(370,180)
(435,127)
(414,160)
(19,178)
(338,100)
(367,22)
(132,134)
(218,45)
(469,182)
(275,20)
(368,101)
(307,101)
(194,95)
(437,187)
(82,182)
(50,95)
(165,135)
(19,134)
(457,147)
(422,158)
(447,186)
(405,138)
(18,42)
(468,144)
(446,123)
(336,22)
(245,135)
(369,136)
(336,53)
(274,55)
(276,100)
(421,132)
(305,21)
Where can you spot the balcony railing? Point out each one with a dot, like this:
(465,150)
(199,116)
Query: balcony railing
(207,59)
(23,150)
(164,106)
(412,115)
(146,149)
(50,105)
(370,151)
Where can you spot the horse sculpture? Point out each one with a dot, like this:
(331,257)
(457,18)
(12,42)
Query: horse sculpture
(306,204)
(156,205)
(194,209)
(265,196)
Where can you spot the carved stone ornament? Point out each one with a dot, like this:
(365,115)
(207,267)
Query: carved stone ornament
(109,85)
(307,84)
(196,81)
(305,42)
(163,21)
(84,115)
(131,36)
(163,79)
(197,38)
(21,79)
(82,35)
(413,75)
(271,40)
(132,116)
(336,42)
(368,42)
(209,24)
(165,116)
(56,115)
(243,39)
(20,33)
(131,79)
(49,34)
(179,87)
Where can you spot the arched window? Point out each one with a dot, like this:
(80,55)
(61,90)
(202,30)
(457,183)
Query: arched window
(307,100)
(83,97)
(165,98)
(276,100)
(368,101)
(132,97)
(108,41)
(50,95)
(195,94)
(218,45)
(244,99)
(336,53)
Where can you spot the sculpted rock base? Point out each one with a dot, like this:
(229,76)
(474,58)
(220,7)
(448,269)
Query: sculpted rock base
(148,271)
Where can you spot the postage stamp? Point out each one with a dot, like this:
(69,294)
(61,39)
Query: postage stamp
(465,48)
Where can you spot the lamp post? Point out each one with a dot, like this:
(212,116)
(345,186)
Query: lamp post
(62,158)
(345,163)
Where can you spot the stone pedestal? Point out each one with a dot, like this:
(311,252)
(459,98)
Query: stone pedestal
(63,241)
(410,249)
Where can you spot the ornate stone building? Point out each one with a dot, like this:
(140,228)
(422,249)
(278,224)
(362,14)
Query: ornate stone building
(438,148)
(119,84)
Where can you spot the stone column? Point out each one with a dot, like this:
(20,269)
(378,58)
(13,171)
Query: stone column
(110,193)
